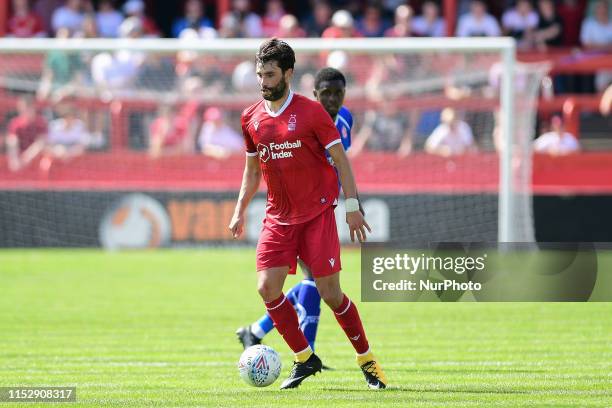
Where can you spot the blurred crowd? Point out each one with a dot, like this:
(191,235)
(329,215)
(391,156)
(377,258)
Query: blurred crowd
(186,125)
(534,23)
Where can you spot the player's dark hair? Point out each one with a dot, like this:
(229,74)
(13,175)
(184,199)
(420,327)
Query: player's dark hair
(328,74)
(276,50)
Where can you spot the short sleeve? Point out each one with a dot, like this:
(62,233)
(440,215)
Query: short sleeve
(437,136)
(324,129)
(349,118)
(251,149)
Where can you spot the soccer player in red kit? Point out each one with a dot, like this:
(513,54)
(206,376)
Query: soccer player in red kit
(286,136)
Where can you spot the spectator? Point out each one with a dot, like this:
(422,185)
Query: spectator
(116,73)
(62,72)
(289,27)
(557,142)
(108,19)
(67,137)
(520,22)
(320,19)
(194,18)
(196,72)
(24,22)
(169,133)
(596,34)
(271,19)
(550,27)
(244,78)
(384,130)
(403,23)
(217,139)
(343,26)
(87,7)
(89,28)
(68,16)
(229,26)
(389,6)
(26,135)
(45,9)
(596,31)
(478,23)
(429,24)
(571,13)
(452,137)
(249,23)
(372,23)
(136,8)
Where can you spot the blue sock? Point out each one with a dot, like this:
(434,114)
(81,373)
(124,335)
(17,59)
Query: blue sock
(294,293)
(309,310)
(265,324)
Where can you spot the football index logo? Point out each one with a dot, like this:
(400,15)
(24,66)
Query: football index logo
(264,152)
(277,150)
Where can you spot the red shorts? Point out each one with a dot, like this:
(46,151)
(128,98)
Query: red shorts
(315,242)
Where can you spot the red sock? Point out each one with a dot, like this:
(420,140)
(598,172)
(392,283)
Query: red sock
(348,317)
(286,321)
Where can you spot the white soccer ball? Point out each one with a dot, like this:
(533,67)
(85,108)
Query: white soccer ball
(259,365)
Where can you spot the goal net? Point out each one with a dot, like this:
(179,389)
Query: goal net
(136,143)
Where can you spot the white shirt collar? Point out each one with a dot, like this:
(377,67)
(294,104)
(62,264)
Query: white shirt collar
(282,109)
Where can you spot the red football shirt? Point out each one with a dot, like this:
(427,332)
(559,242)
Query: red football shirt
(25,26)
(291,147)
(173,131)
(27,130)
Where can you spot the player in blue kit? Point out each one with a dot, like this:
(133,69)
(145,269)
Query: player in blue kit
(330,89)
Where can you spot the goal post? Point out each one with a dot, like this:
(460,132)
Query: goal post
(391,83)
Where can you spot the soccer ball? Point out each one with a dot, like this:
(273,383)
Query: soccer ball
(259,365)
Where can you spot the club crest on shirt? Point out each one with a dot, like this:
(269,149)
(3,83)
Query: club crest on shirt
(292,122)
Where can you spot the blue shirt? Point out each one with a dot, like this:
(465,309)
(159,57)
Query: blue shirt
(344,123)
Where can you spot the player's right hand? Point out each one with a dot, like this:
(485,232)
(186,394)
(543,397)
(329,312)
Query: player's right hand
(357,225)
(236,225)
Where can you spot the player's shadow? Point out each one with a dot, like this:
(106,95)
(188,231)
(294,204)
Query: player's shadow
(434,390)
(462,372)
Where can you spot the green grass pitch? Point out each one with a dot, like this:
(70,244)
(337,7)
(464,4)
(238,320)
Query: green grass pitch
(157,328)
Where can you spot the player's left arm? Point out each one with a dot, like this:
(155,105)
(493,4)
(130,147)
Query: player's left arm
(354,218)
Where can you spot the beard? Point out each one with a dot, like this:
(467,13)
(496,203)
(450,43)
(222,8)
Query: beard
(275,93)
